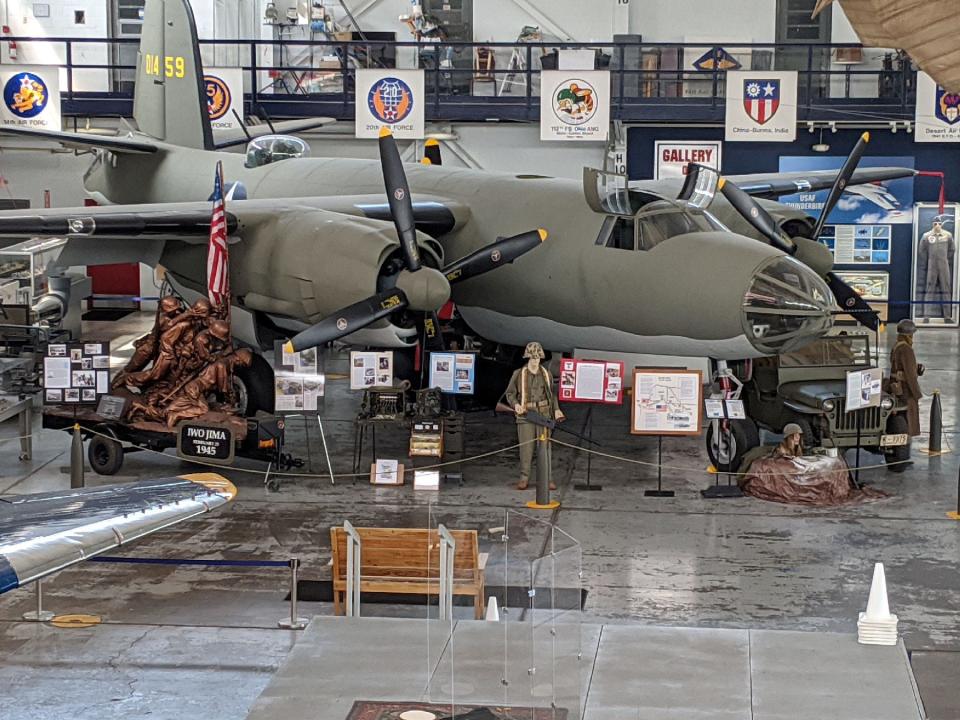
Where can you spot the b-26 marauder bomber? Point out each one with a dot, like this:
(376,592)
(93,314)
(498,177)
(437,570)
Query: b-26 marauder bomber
(708,267)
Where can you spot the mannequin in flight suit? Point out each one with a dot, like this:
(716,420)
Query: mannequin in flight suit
(935,256)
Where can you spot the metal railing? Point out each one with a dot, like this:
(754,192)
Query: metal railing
(651,82)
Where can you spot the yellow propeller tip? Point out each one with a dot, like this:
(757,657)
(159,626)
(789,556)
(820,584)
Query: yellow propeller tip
(543,234)
(431,142)
(720,183)
(288,347)
(426,161)
(866,137)
(385,132)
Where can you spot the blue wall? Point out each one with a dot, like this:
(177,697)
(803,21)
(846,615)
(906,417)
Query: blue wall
(746,158)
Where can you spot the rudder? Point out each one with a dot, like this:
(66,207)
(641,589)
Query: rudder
(170,95)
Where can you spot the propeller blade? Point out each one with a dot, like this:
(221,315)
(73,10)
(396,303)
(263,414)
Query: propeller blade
(840,184)
(754,214)
(432,336)
(492,256)
(431,152)
(398,195)
(850,301)
(349,319)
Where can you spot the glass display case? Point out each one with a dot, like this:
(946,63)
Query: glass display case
(26,264)
(935,263)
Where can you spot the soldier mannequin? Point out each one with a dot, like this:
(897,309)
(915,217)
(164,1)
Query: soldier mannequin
(904,374)
(531,388)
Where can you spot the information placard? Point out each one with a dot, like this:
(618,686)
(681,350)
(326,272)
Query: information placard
(453,373)
(596,381)
(666,402)
(76,373)
(864,389)
(299,382)
(371,369)
(204,441)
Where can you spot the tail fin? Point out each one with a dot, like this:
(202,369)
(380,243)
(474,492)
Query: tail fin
(170,96)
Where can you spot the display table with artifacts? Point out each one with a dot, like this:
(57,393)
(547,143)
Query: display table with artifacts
(180,372)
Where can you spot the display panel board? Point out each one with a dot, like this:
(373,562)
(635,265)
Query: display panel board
(935,287)
(453,372)
(864,389)
(761,106)
(76,373)
(31,97)
(596,381)
(672,158)
(666,402)
(574,105)
(859,244)
(390,98)
(299,382)
(207,442)
(371,369)
(938,112)
(224,88)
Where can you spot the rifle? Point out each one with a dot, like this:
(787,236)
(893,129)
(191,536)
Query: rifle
(532,416)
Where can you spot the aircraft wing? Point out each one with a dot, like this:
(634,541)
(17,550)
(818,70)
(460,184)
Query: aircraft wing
(773,185)
(85,141)
(44,533)
(229,138)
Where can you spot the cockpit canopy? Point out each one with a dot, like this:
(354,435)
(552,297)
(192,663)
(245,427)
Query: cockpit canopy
(274,148)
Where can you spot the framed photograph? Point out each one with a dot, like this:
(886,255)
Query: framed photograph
(71,395)
(666,402)
(935,287)
(53,396)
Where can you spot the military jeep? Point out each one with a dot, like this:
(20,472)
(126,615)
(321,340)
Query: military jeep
(808,387)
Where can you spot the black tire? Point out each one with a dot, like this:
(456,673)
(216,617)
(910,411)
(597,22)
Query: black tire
(743,437)
(254,387)
(897,457)
(105,455)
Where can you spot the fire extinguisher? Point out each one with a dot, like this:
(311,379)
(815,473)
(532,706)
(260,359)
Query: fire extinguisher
(11,44)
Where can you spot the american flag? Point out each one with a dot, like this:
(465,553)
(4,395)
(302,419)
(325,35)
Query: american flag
(218,257)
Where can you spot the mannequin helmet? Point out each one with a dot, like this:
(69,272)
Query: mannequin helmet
(534,350)
(906,327)
(792,429)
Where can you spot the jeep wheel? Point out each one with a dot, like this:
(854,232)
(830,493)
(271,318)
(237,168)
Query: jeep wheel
(733,445)
(897,457)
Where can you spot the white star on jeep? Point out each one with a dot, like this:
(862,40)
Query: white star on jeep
(768,89)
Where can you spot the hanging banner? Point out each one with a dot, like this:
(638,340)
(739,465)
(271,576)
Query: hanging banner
(673,157)
(31,96)
(761,106)
(224,88)
(392,99)
(938,112)
(575,105)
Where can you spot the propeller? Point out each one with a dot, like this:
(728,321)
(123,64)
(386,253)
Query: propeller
(809,250)
(349,319)
(398,195)
(417,288)
(431,152)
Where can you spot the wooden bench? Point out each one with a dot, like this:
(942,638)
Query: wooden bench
(407,561)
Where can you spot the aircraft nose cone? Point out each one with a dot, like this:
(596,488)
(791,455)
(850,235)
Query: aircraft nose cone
(426,289)
(785,306)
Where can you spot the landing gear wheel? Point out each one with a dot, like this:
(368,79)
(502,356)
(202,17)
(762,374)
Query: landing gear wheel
(254,387)
(897,458)
(105,455)
(727,451)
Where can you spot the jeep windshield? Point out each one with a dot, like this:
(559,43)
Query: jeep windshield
(836,351)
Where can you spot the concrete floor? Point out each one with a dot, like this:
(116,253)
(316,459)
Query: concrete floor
(172,634)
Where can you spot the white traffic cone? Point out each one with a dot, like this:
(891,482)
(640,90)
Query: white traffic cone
(877,626)
(493,612)
(878,609)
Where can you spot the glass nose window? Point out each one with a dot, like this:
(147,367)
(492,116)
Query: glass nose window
(785,306)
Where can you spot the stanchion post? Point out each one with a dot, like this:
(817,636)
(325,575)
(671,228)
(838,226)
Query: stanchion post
(39,615)
(543,501)
(76,458)
(326,452)
(956,515)
(659,492)
(294,622)
(936,425)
